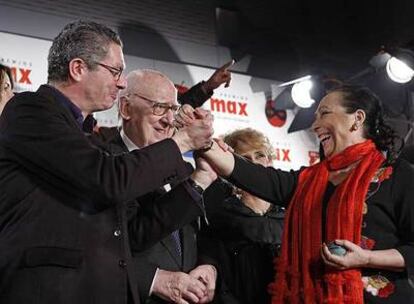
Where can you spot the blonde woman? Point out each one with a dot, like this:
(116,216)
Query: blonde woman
(245,231)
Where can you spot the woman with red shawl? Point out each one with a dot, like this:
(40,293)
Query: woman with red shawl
(359,199)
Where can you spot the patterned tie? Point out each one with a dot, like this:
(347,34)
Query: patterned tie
(176,236)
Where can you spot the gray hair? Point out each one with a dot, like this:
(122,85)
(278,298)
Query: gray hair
(80,39)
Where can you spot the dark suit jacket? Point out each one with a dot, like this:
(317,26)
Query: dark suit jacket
(63,228)
(164,254)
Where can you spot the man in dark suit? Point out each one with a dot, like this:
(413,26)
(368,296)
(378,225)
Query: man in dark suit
(63,226)
(146,108)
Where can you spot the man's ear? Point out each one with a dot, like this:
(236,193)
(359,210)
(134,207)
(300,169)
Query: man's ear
(77,69)
(124,108)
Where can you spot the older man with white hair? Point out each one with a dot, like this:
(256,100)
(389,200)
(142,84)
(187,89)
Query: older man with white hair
(171,270)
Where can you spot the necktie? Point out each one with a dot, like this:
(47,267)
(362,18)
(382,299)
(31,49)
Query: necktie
(176,236)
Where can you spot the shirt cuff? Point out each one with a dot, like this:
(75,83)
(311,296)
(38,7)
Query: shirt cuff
(153,282)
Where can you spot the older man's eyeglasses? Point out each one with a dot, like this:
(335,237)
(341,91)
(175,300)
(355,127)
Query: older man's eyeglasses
(116,72)
(159,108)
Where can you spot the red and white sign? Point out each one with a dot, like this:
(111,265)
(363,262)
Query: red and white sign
(244,104)
(27,58)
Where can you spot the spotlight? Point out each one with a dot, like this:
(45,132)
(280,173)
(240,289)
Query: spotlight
(398,63)
(301,92)
(306,93)
(399,71)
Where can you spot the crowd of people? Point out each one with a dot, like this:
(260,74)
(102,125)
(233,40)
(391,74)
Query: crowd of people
(90,214)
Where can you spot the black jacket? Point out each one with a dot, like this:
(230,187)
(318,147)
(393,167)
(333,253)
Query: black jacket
(164,254)
(243,243)
(63,227)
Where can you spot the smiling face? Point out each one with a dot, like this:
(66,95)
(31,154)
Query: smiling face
(335,128)
(140,123)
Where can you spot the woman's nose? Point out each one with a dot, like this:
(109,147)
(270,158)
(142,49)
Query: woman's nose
(315,125)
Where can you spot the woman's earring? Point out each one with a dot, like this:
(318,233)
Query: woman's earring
(354,127)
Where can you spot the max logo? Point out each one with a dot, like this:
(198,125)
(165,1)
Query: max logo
(282,155)
(228,106)
(21,76)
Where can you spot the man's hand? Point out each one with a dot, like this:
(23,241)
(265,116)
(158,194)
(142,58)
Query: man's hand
(220,76)
(184,117)
(208,275)
(196,129)
(178,287)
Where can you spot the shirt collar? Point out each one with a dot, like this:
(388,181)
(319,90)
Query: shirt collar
(59,96)
(86,124)
(128,142)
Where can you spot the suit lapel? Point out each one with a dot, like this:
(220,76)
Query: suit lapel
(187,247)
(170,245)
(116,145)
(168,242)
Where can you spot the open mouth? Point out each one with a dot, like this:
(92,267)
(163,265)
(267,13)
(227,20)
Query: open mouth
(324,139)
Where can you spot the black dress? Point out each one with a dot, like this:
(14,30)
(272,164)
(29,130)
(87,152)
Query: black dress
(388,221)
(244,244)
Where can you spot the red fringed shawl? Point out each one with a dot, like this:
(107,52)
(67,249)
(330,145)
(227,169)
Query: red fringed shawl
(301,275)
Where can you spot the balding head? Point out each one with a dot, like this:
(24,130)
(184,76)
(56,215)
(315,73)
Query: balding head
(151,84)
(141,121)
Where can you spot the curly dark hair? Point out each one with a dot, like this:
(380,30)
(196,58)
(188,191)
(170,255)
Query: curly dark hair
(375,128)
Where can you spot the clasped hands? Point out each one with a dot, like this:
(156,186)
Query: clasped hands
(194,128)
(198,286)
(201,123)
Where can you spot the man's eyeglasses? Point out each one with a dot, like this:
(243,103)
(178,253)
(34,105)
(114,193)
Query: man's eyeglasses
(116,72)
(159,108)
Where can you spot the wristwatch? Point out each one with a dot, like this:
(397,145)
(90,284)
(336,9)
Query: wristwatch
(196,186)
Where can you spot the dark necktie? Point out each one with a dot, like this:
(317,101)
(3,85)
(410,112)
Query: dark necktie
(176,236)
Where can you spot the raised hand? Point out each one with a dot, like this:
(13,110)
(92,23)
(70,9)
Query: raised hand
(195,129)
(220,76)
(184,117)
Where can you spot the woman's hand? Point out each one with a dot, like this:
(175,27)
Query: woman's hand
(204,175)
(355,257)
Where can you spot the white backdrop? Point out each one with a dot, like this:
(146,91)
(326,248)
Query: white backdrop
(28,59)
(241,105)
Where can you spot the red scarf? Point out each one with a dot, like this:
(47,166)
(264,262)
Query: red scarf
(301,275)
